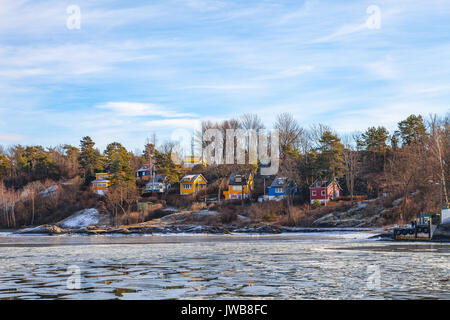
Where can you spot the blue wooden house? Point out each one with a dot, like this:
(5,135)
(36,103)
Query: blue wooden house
(278,189)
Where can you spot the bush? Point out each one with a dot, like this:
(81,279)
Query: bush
(130,218)
(316,204)
(180,201)
(197,206)
(227,216)
(269,217)
(48,208)
(267,211)
(297,217)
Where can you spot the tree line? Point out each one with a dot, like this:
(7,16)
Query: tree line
(414,158)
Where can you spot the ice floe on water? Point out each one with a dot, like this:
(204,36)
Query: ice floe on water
(282,267)
(253,290)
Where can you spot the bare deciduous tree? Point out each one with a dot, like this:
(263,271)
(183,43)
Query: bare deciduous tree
(351,159)
(31,191)
(289,132)
(251,121)
(437,143)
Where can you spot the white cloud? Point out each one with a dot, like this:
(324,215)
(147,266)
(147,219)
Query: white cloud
(235,56)
(287,73)
(297,14)
(384,69)
(11,138)
(342,31)
(136,109)
(186,123)
(226,86)
(65,60)
(205,5)
(387,115)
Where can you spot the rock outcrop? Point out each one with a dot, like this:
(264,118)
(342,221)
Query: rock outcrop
(442,232)
(85,218)
(44,229)
(363,215)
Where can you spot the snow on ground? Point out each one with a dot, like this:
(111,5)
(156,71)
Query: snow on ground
(200,215)
(172,209)
(32,229)
(81,219)
(49,191)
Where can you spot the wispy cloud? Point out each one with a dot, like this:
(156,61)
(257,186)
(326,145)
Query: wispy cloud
(383,69)
(342,31)
(306,8)
(136,68)
(136,109)
(8,138)
(224,86)
(287,73)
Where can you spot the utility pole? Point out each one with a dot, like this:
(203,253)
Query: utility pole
(441,162)
(153,178)
(192,149)
(242,190)
(264,187)
(151,165)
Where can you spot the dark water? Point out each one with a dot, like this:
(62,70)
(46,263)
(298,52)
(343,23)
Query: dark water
(300,266)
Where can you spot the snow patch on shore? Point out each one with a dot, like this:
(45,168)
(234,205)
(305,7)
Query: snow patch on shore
(49,191)
(81,219)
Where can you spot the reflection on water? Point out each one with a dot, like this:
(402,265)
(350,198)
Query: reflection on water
(302,266)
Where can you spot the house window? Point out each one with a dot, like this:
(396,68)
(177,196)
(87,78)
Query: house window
(238,179)
(314,193)
(278,190)
(236,188)
(323,193)
(186,186)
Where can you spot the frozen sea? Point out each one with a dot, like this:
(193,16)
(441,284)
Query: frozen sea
(330,265)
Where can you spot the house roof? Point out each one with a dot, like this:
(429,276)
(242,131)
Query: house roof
(144,168)
(323,184)
(97,181)
(243,181)
(278,182)
(191,178)
(158,179)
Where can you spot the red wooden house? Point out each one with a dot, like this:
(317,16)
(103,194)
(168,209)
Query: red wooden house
(324,191)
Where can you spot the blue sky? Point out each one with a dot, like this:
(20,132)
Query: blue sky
(137,67)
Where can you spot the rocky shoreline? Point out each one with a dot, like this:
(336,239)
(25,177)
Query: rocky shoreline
(93,222)
(178,229)
(381,235)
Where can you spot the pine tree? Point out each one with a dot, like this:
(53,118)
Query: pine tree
(4,165)
(167,167)
(330,158)
(119,160)
(90,160)
(374,139)
(412,130)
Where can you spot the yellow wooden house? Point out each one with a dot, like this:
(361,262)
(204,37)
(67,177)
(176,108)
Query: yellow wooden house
(191,161)
(239,186)
(193,183)
(101,183)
